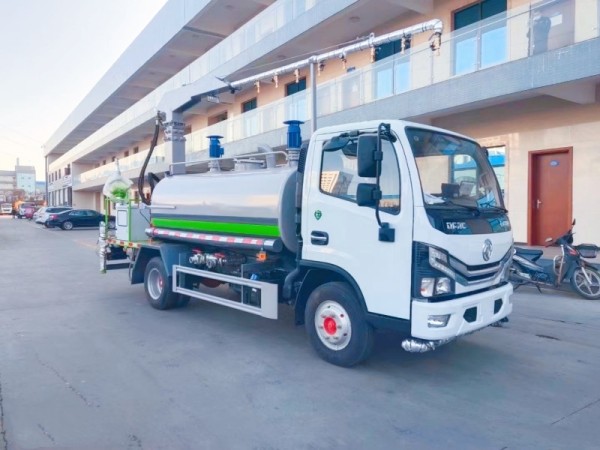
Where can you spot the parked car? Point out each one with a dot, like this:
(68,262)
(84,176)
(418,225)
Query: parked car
(45,213)
(74,218)
(6,208)
(28,212)
(21,210)
(38,213)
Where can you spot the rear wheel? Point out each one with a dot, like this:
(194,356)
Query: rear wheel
(68,225)
(586,286)
(158,286)
(336,325)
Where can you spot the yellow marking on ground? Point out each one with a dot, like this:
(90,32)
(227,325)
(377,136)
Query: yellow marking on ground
(86,244)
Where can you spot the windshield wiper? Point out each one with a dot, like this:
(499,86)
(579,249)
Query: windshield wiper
(447,201)
(494,208)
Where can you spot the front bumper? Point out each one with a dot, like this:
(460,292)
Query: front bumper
(458,325)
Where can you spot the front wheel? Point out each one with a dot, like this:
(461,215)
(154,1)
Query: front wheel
(336,325)
(586,286)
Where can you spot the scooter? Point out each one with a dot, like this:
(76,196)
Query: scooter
(569,266)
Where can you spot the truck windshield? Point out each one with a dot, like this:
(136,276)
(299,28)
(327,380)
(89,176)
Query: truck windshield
(454,171)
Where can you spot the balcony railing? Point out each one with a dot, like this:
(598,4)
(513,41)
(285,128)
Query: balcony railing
(273,18)
(503,38)
(131,162)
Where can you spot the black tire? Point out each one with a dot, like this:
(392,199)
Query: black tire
(582,287)
(67,225)
(336,325)
(183,301)
(157,285)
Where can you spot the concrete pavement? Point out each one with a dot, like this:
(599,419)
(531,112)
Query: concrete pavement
(85,363)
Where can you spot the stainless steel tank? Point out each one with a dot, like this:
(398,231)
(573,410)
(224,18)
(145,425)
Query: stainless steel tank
(256,203)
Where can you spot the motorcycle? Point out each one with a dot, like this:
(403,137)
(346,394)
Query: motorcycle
(569,266)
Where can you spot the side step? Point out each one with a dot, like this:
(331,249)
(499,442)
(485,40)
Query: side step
(255,297)
(118,266)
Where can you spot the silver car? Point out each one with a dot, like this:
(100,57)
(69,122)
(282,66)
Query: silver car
(45,215)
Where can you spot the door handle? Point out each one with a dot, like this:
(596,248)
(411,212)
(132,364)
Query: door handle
(538,203)
(319,238)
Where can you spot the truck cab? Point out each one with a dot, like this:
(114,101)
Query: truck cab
(431,251)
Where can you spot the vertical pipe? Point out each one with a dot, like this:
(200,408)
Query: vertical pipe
(313,96)
(46,176)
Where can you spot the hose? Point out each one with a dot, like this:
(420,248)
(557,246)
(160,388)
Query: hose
(142,176)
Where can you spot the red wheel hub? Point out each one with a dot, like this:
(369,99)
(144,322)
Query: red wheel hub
(330,326)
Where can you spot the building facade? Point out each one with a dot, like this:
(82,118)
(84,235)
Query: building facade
(17,184)
(521,77)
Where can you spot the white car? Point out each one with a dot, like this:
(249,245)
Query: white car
(45,215)
(38,213)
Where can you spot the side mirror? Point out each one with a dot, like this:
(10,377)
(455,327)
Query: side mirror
(367,194)
(367,148)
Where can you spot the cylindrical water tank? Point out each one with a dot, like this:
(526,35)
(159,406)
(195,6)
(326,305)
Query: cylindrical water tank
(257,203)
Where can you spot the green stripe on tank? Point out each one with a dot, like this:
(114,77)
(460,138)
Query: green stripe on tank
(218,227)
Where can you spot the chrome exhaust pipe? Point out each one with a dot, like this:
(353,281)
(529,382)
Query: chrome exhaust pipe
(414,345)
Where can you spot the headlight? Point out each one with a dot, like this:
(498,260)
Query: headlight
(427,285)
(435,286)
(443,286)
(439,260)
(432,273)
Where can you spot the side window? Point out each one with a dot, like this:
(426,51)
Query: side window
(339,176)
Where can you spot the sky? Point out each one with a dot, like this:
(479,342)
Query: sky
(53,52)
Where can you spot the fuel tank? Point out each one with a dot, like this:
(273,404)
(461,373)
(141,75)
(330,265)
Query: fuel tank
(256,203)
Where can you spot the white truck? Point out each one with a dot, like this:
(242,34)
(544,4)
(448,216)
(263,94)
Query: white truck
(6,208)
(372,225)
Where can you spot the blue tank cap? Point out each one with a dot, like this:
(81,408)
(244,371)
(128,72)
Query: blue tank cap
(214,148)
(294,136)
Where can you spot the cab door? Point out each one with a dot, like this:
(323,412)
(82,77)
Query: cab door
(337,232)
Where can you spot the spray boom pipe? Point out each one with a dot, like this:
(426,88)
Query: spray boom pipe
(434,25)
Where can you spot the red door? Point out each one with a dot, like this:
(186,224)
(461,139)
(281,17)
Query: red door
(550,194)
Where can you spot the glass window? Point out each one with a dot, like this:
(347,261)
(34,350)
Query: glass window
(293,88)
(480,46)
(249,105)
(339,176)
(453,170)
(296,106)
(392,78)
(497,158)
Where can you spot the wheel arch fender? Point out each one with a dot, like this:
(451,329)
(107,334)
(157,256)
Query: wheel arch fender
(141,261)
(318,274)
(169,253)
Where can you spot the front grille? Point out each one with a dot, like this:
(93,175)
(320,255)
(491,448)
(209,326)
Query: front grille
(479,273)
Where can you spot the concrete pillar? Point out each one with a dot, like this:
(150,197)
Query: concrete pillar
(175,143)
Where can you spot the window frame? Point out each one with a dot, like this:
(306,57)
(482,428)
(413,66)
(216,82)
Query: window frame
(300,81)
(252,101)
(395,212)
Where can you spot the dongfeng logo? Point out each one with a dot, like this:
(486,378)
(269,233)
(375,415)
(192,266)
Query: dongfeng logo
(487,250)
